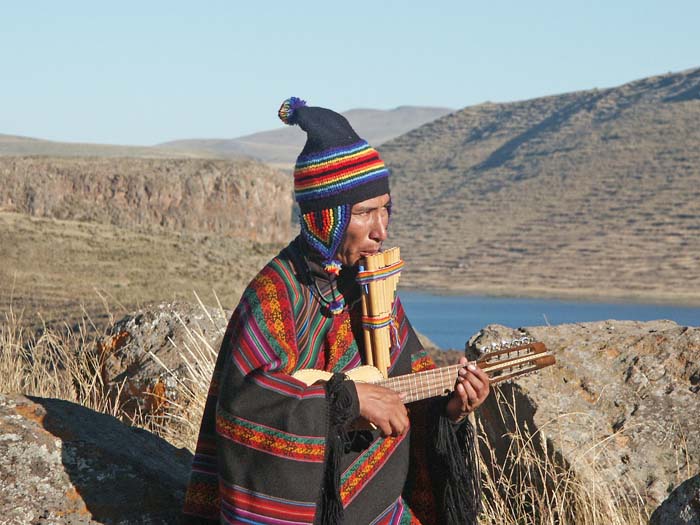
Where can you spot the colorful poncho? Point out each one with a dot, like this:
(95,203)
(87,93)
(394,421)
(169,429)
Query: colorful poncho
(272,450)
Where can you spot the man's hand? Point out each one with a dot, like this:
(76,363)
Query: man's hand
(471,389)
(383,408)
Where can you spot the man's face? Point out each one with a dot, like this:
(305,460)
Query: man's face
(366,231)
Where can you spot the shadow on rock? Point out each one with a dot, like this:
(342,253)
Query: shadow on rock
(74,465)
(681,507)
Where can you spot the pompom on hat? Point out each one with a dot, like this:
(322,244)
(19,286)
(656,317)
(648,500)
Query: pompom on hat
(335,170)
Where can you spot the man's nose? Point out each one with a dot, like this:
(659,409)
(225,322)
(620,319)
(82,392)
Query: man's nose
(378,230)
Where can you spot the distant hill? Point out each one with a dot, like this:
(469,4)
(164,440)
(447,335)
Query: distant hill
(594,193)
(280,147)
(588,194)
(13,145)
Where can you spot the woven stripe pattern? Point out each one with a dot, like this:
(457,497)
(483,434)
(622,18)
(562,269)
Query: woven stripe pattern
(339,170)
(365,277)
(256,464)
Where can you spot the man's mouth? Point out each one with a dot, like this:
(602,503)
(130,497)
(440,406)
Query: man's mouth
(374,250)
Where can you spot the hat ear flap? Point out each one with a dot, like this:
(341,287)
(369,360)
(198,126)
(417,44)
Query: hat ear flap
(323,230)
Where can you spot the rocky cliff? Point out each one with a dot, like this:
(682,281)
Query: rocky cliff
(239,198)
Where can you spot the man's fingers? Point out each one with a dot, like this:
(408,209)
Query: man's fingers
(394,427)
(483,376)
(475,382)
(384,408)
(471,389)
(386,428)
(470,393)
(479,380)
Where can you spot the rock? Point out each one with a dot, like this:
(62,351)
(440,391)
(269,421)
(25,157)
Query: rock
(427,343)
(682,507)
(621,403)
(65,464)
(172,332)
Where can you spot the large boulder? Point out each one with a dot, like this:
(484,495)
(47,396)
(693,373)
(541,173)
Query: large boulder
(65,464)
(619,407)
(149,353)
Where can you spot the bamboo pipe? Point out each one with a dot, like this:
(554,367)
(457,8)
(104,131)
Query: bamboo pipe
(382,294)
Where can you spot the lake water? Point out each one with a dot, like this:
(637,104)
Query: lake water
(449,321)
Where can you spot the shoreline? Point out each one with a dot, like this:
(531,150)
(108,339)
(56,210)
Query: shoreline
(579,296)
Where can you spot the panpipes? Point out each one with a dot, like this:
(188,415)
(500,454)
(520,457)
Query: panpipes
(378,278)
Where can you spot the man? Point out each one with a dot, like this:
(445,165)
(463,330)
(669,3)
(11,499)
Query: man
(274,450)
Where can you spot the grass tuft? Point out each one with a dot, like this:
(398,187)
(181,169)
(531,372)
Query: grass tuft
(531,483)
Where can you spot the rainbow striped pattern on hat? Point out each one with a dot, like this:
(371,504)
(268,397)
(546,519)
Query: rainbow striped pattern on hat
(336,171)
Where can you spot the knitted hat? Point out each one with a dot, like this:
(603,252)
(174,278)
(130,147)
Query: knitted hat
(335,170)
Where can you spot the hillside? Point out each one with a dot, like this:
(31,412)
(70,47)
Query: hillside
(594,193)
(280,147)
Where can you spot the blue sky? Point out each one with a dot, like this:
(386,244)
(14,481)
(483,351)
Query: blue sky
(147,72)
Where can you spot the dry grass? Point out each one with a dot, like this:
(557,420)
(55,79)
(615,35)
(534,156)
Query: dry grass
(54,267)
(179,422)
(69,363)
(63,364)
(529,483)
